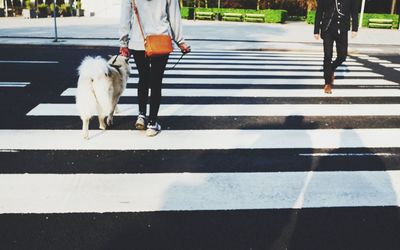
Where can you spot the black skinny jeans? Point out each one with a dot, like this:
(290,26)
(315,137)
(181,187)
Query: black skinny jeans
(341,41)
(151,72)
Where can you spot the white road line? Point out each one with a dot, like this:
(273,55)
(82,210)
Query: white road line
(282,81)
(379,61)
(14,84)
(262,92)
(266,62)
(391,65)
(36,139)
(251,52)
(262,73)
(8,151)
(249,58)
(348,154)
(398,69)
(263,67)
(366,49)
(30,62)
(236,110)
(107,193)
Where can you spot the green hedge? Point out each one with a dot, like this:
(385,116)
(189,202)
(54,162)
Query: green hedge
(367,16)
(276,16)
(311,17)
(272,16)
(185,12)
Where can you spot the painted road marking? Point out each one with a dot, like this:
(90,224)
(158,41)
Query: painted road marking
(262,92)
(263,67)
(379,61)
(36,139)
(266,57)
(266,62)
(69,109)
(391,65)
(281,81)
(30,62)
(205,73)
(14,84)
(107,193)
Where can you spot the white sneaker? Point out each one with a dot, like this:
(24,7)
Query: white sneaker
(153,130)
(140,122)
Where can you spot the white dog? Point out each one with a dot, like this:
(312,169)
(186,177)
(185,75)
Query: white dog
(100,86)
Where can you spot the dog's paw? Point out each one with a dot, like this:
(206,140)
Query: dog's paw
(110,121)
(86,136)
(102,127)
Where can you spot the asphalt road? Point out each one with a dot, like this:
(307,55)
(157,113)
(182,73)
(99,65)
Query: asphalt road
(338,220)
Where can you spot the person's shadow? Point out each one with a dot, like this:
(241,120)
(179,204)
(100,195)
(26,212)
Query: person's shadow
(344,227)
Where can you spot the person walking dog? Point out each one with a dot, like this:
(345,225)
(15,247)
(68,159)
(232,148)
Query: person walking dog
(142,22)
(332,23)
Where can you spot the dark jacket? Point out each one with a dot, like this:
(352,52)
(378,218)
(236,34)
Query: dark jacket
(326,11)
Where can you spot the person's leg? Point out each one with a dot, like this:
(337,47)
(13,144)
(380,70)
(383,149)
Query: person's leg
(328,51)
(341,50)
(157,73)
(143,67)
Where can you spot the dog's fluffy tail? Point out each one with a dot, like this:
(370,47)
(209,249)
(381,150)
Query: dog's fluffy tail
(94,87)
(93,67)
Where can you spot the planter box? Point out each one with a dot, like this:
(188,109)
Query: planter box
(80,12)
(29,13)
(43,12)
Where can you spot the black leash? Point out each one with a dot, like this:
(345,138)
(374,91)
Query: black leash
(173,67)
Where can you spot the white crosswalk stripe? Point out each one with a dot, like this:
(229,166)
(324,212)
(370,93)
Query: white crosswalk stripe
(262,92)
(200,139)
(270,81)
(14,84)
(205,73)
(224,77)
(194,192)
(237,110)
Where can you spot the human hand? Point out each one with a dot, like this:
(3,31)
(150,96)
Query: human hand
(185,48)
(353,34)
(316,36)
(124,51)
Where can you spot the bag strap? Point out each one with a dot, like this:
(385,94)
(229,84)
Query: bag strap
(135,9)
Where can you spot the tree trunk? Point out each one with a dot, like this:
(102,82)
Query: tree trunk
(206,3)
(393,6)
(181,3)
(258,4)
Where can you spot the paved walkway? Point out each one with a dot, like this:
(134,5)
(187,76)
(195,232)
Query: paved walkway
(201,34)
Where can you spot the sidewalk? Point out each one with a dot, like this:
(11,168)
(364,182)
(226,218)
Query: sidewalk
(202,35)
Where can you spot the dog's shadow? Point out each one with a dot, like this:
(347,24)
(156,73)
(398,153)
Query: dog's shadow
(96,134)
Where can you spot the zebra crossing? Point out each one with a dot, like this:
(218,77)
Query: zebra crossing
(210,87)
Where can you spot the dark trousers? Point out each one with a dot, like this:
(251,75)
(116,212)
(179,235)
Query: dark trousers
(341,41)
(151,72)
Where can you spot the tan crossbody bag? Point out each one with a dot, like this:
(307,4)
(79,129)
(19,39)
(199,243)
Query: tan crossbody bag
(154,45)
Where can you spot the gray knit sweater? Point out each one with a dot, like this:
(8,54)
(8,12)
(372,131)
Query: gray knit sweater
(157,17)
